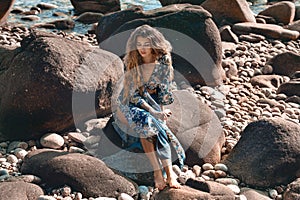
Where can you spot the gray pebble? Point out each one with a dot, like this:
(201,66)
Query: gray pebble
(124,196)
(12,159)
(227,181)
(234,188)
(273,193)
(46,197)
(197,170)
(52,140)
(3,172)
(207,166)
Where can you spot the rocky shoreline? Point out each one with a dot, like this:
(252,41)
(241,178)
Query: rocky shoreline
(259,95)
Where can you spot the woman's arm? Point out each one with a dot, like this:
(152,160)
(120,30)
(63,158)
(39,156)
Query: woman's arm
(137,100)
(165,95)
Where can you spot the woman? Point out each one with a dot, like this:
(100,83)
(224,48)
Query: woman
(149,73)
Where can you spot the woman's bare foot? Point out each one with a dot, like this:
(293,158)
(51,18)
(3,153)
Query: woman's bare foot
(159,180)
(172,181)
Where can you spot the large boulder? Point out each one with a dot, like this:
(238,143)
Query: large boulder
(83,173)
(268,30)
(193,122)
(287,63)
(169,2)
(252,194)
(99,6)
(232,11)
(196,41)
(214,191)
(5,6)
(294,26)
(293,190)
(290,88)
(269,81)
(52,84)
(297,14)
(19,190)
(267,153)
(282,12)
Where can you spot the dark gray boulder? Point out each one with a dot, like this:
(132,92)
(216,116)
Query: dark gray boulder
(83,173)
(267,154)
(52,84)
(19,190)
(5,6)
(197,50)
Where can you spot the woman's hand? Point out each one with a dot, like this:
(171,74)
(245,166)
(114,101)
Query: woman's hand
(158,115)
(168,112)
(163,115)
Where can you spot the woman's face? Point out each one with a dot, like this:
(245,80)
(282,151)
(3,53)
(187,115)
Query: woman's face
(143,46)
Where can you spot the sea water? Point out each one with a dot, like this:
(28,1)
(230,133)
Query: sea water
(66,7)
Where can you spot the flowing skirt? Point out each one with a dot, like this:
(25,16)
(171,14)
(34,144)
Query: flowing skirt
(143,125)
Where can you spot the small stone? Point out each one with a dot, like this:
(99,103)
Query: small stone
(75,150)
(20,153)
(234,188)
(207,166)
(12,159)
(46,6)
(67,198)
(206,178)
(52,140)
(77,137)
(221,166)
(96,124)
(220,174)
(210,173)
(66,191)
(227,181)
(30,18)
(273,193)
(78,196)
(92,141)
(3,145)
(183,178)
(176,169)
(197,170)
(46,197)
(30,179)
(3,172)
(240,197)
(16,144)
(124,196)
(190,174)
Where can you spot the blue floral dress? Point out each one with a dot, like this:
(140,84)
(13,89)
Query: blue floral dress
(142,124)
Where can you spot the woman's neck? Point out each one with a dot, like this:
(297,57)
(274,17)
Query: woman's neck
(148,60)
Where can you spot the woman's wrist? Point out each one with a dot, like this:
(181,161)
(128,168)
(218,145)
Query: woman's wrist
(151,110)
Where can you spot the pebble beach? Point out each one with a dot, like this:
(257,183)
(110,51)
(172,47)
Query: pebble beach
(237,102)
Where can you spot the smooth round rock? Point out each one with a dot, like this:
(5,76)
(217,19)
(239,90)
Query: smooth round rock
(12,159)
(227,181)
(221,167)
(20,153)
(207,166)
(52,140)
(77,137)
(3,172)
(197,170)
(46,197)
(234,188)
(124,196)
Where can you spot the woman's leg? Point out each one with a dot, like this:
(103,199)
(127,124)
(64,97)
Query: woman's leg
(171,176)
(148,147)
